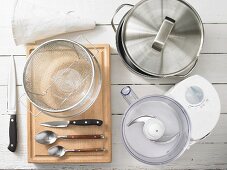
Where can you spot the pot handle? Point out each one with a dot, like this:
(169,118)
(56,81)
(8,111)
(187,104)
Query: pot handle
(117,10)
(129,95)
(189,72)
(163,34)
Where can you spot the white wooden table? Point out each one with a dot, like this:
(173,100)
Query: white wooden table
(210,153)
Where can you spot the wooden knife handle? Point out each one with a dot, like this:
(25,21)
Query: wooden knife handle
(12,133)
(89,150)
(85,136)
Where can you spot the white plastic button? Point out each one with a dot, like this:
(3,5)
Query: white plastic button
(194,95)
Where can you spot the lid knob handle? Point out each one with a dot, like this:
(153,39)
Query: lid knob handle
(163,34)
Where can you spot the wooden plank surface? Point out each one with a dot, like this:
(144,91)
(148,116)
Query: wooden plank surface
(209,154)
(215,38)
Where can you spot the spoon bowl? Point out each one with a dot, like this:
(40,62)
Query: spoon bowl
(57,151)
(46,137)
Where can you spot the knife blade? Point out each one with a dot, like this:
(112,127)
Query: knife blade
(82,122)
(11,105)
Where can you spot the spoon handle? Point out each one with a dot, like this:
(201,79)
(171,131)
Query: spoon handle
(88,150)
(85,137)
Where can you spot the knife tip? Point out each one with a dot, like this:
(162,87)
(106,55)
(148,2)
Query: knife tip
(43,124)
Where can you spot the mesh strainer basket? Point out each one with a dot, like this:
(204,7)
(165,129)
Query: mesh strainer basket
(62,78)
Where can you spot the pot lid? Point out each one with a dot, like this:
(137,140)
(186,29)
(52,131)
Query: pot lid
(156,130)
(202,103)
(162,37)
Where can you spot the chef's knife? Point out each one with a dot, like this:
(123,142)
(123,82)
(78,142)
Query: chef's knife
(12,106)
(82,122)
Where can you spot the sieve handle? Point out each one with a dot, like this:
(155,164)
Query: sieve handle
(86,122)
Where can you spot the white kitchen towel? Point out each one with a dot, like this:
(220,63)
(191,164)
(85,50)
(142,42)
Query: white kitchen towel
(33,21)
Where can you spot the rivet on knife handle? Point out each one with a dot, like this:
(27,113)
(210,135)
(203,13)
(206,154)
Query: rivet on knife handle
(85,122)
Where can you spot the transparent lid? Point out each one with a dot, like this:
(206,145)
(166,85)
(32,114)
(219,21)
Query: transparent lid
(156,130)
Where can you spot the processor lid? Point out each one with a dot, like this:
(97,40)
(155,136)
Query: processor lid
(156,130)
(202,103)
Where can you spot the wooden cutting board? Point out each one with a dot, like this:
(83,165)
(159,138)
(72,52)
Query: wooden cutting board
(37,153)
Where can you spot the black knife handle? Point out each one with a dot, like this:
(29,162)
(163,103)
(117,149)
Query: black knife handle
(86,122)
(12,133)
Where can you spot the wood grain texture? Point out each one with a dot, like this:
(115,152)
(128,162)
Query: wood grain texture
(37,153)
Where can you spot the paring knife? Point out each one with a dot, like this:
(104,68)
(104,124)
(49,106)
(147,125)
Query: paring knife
(82,122)
(12,106)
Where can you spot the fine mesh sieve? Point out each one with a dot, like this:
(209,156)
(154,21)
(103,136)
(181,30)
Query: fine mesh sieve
(60,75)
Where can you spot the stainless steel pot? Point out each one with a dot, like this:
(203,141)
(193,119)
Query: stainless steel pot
(156,40)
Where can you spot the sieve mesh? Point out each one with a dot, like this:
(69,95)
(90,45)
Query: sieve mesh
(58,75)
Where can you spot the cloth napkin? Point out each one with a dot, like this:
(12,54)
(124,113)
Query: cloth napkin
(32,21)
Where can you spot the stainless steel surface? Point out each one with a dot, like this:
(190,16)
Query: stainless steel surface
(56,124)
(124,57)
(141,119)
(166,139)
(46,137)
(12,106)
(117,10)
(11,90)
(132,67)
(163,34)
(62,78)
(163,139)
(181,49)
(59,151)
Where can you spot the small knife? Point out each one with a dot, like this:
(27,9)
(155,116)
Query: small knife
(12,106)
(82,122)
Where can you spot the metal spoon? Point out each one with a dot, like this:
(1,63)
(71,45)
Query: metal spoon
(59,151)
(48,137)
